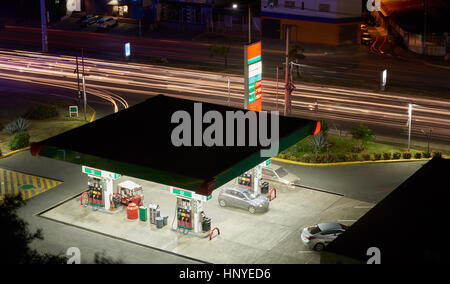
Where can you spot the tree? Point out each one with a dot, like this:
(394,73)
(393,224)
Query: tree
(220,50)
(15,238)
(295,54)
(363,134)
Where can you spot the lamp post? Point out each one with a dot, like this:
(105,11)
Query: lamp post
(44,26)
(428,138)
(235,6)
(410,109)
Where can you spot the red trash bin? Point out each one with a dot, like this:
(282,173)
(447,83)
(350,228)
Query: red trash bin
(132,211)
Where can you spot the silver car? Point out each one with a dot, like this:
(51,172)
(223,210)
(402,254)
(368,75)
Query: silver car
(318,236)
(279,175)
(234,196)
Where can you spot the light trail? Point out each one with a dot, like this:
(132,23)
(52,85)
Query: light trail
(107,79)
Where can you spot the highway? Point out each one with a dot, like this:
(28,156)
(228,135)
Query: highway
(124,84)
(346,65)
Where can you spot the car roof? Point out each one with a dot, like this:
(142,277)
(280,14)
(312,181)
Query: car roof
(233,187)
(329,226)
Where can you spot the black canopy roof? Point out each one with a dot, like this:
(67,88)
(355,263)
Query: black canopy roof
(137,142)
(407,226)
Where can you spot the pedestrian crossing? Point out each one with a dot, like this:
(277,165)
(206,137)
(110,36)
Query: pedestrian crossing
(14,183)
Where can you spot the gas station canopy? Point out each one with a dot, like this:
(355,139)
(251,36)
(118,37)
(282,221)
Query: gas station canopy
(137,142)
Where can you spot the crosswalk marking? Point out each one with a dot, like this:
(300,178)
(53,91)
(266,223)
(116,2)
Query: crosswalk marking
(14,183)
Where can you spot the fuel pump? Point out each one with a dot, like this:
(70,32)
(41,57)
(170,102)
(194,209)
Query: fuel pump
(95,191)
(184,213)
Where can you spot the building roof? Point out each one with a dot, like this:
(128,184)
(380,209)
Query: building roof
(137,142)
(407,226)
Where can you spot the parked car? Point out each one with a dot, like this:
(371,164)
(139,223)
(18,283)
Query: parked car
(277,174)
(89,20)
(318,236)
(234,196)
(106,22)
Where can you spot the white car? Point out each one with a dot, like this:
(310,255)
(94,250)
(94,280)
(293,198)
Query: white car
(318,236)
(106,22)
(275,174)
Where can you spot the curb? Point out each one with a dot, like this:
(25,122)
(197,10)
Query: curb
(348,163)
(14,152)
(28,147)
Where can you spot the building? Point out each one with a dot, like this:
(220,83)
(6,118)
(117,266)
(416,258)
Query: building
(333,22)
(405,227)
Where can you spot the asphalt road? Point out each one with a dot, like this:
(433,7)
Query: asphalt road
(124,84)
(364,182)
(347,66)
(59,237)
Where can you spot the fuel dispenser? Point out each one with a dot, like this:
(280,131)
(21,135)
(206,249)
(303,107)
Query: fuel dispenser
(100,187)
(189,214)
(95,191)
(184,214)
(252,180)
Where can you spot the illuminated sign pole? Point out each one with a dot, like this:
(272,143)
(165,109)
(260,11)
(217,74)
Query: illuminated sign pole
(127,50)
(253,77)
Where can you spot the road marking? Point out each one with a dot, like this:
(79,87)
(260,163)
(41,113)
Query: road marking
(363,207)
(15,183)
(347,220)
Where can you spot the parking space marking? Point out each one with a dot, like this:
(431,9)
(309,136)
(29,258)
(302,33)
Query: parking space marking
(14,183)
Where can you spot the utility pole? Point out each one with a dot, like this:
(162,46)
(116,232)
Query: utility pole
(229,85)
(78,82)
(287,99)
(84,85)
(249,25)
(424,43)
(44,26)
(277,88)
(410,106)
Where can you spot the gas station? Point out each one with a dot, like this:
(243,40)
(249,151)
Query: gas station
(144,151)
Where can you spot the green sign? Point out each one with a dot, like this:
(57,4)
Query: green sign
(189,194)
(73,110)
(99,173)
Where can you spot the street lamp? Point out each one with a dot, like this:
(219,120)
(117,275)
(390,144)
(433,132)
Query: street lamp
(235,6)
(410,109)
(428,138)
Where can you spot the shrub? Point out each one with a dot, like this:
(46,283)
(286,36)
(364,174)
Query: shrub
(377,156)
(332,158)
(353,157)
(40,112)
(282,156)
(426,155)
(366,157)
(292,158)
(436,154)
(21,124)
(396,156)
(342,158)
(20,140)
(407,155)
(10,128)
(418,155)
(363,134)
(387,155)
(307,159)
(356,149)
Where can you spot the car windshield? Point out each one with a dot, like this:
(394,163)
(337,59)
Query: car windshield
(314,230)
(281,172)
